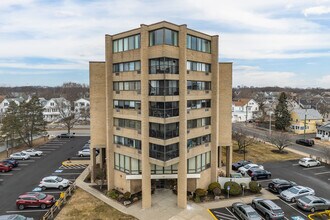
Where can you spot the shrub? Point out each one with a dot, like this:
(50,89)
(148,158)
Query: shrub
(235,188)
(200,192)
(127,195)
(214,185)
(113,194)
(255,187)
(197,199)
(216,191)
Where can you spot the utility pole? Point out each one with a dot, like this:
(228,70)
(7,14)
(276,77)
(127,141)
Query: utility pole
(270,123)
(305,124)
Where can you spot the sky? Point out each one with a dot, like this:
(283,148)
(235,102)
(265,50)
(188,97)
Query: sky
(271,43)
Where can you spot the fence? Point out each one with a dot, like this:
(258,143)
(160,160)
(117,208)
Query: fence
(50,214)
(223,180)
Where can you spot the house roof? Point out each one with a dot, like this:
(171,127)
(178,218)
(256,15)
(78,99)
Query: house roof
(2,98)
(311,114)
(241,102)
(324,127)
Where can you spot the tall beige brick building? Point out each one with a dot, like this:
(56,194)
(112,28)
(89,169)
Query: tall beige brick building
(160,110)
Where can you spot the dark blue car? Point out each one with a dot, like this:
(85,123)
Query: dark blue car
(14,163)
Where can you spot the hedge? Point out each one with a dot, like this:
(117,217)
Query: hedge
(235,188)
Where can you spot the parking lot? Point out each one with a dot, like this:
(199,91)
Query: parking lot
(317,178)
(29,173)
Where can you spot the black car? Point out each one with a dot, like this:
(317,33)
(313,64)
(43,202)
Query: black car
(279,185)
(257,173)
(240,163)
(13,163)
(68,135)
(305,142)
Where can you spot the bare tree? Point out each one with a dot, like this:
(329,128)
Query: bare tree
(67,115)
(281,140)
(243,140)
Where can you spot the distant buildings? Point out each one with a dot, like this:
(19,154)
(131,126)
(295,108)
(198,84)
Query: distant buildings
(323,132)
(4,105)
(244,110)
(313,119)
(56,107)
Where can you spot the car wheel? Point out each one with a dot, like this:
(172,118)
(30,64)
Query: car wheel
(81,155)
(269,176)
(308,165)
(233,210)
(253,205)
(43,206)
(279,190)
(255,178)
(3,171)
(293,199)
(23,158)
(267,217)
(313,209)
(60,187)
(43,188)
(36,155)
(21,207)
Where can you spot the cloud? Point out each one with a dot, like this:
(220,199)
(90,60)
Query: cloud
(318,10)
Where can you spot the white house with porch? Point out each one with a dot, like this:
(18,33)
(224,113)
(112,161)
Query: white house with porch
(244,110)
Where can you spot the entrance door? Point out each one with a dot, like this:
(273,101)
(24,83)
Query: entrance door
(164,183)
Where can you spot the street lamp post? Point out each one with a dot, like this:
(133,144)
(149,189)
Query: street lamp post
(6,141)
(270,123)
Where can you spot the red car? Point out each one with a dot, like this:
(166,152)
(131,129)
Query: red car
(35,199)
(5,167)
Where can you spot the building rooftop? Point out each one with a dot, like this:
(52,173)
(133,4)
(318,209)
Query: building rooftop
(241,102)
(311,114)
(324,128)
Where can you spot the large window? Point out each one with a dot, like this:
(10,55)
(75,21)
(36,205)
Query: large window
(198,85)
(164,153)
(198,141)
(164,131)
(155,169)
(127,123)
(196,104)
(163,87)
(127,86)
(127,43)
(127,66)
(127,104)
(199,44)
(127,164)
(128,142)
(163,109)
(199,122)
(199,163)
(163,36)
(196,66)
(163,65)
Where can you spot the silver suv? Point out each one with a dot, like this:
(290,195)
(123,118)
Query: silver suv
(268,208)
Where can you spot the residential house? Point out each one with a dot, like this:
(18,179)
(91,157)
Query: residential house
(323,132)
(55,108)
(244,110)
(313,119)
(4,105)
(81,108)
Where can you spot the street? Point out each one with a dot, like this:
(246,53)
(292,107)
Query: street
(29,173)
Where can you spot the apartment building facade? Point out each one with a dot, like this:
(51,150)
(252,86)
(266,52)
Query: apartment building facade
(160,110)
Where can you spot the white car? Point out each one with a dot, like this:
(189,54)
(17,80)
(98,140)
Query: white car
(245,168)
(54,182)
(19,156)
(32,152)
(84,153)
(309,162)
(296,192)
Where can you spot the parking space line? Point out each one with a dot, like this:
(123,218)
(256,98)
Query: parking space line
(224,215)
(232,213)
(79,158)
(312,168)
(16,169)
(59,174)
(23,164)
(293,208)
(55,146)
(295,164)
(28,161)
(52,192)
(27,211)
(50,149)
(6,174)
(322,173)
(267,180)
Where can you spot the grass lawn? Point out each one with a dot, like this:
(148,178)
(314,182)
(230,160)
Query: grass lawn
(84,206)
(259,153)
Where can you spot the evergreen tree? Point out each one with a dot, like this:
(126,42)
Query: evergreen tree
(282,114)
(24,121)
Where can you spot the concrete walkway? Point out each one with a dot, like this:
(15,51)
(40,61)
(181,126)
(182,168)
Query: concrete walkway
(164,204)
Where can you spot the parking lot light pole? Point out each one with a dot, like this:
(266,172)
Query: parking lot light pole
(270,123)
(6,141)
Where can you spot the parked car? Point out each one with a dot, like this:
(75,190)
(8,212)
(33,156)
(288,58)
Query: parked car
(296,192)
(5,167)
(14,217)
(279,185)
(67,135)
(54,182)
(309,162)
(32,152)
(235,175)
(14,163)
(19,156)
(257,173)
(245,168)
(268,208)
(84,153)
(245,212)
(305,142)
(313,203)
(34,199)
(240,163)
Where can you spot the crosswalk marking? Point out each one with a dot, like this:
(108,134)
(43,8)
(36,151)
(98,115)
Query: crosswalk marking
(78,166)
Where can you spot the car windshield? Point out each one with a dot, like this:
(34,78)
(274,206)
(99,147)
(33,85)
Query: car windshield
(23,154)
(59,179)
(19,217)
(41,196)
(247,166)
(293,190)
(253,214)
(305,199)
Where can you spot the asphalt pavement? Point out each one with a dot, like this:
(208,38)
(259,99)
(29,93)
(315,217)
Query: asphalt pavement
(29,173)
